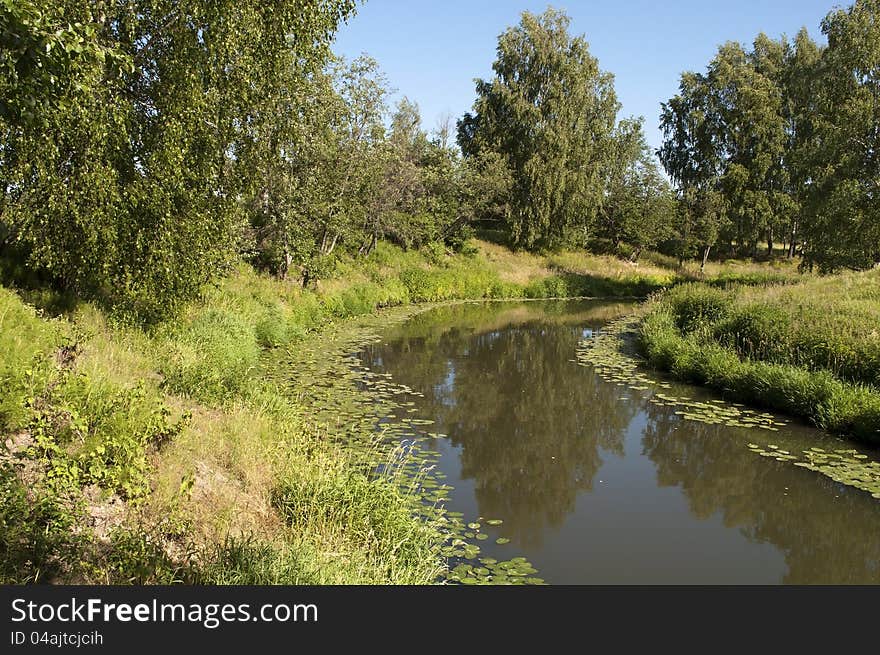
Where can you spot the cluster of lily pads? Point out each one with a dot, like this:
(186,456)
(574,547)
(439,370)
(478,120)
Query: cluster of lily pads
(718,412)
(606,353)
(609,352)
(371,414)
(846,466)
(488,570)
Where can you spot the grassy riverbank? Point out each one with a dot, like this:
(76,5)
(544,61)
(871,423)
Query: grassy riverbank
(810,349)
(168,454)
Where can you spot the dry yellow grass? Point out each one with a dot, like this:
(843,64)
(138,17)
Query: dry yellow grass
(514,267)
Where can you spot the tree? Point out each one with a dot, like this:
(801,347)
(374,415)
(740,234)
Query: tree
(126,181)
(788,133)
(637,205)
(843,196)
(694,164)
(700,218)
(748,128)
(725,132)
(549,113)
(799,109)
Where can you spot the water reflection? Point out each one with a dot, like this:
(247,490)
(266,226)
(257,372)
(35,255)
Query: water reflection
(828,532)
(595,484)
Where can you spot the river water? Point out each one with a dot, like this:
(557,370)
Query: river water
(593,483)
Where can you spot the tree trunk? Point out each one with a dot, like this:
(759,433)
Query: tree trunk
(288,260)
(332,244)
(705,259)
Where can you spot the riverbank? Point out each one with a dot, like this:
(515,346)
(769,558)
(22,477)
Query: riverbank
(810,349)
(173,454)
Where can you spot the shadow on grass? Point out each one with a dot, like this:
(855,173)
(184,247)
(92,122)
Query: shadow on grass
(563,285)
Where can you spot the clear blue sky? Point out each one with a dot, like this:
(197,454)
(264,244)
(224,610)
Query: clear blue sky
(431,50)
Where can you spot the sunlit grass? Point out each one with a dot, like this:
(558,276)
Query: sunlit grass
(811,349)
(224,478)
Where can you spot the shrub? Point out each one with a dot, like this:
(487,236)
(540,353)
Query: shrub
(817,396)
(695,305)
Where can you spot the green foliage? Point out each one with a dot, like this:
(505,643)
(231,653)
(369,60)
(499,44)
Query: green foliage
(781,142)
(550,124)
(638,207)
(763,346)
(87,431)
(695,305)
(37,541)
(754,331)
(211,358)
(136,556)
(121,181)
(372,513)
(27,345)
(43,61)
(250,562)
(353,183)
(843,230)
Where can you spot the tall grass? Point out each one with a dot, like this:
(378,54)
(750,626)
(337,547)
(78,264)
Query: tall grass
(811,349)
(224,477)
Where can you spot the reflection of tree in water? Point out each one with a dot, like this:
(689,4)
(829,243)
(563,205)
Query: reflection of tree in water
(529,422)
(825,539)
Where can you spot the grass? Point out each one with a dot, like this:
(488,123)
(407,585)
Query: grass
(811,349)
(166,454)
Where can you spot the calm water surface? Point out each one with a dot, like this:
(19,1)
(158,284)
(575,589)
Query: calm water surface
(594,484)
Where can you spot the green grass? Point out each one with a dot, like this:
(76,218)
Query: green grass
(221,475)
(27,342)
(810,349)
(37,540)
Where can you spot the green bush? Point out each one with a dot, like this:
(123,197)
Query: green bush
(28,344)
(88,431)
(37,540)
(694,305)
(756,331)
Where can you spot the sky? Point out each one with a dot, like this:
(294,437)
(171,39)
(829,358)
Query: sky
(431,50)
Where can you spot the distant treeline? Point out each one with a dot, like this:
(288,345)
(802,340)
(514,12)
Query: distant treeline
(148,146)
(782,143)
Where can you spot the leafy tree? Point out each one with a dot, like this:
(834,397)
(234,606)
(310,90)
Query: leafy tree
(788,134)
(750,131)
(694,164)
(843,198)
(799,109)
(638,205)
(549,113)
(699,219)
(725,132)
(127,183)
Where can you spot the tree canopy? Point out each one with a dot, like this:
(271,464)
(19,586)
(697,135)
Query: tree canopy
(147,147)
(549,116)
(784,136)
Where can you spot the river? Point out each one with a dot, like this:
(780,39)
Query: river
(595,484)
